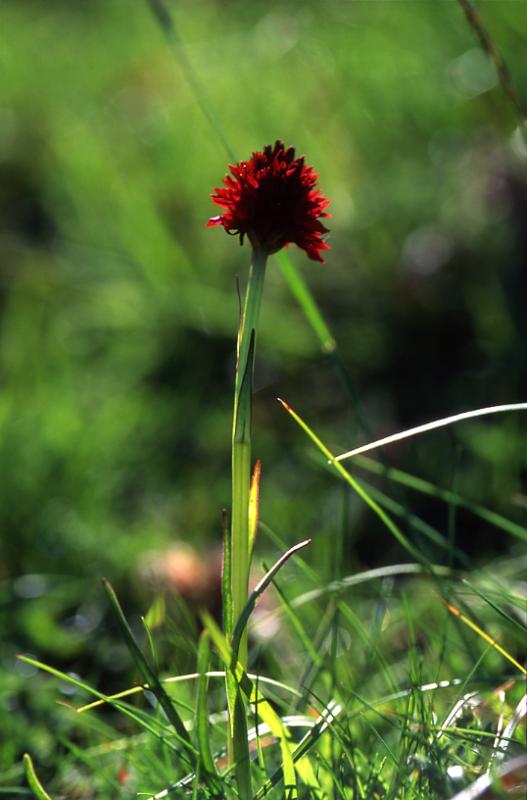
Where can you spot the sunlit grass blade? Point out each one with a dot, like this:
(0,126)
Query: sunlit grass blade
(254,505)
(144,721)
(493,643)
(148,673)
(520,712)
(191,676)
(31,776)
(156,614)
(430,426)
(323,722)
(279,541)
(399,510)
(485,597)
(336,587)
(448,496)
(388,522)
(226,591)
(255,594)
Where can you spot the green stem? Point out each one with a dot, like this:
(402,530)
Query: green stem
(249,319)
(241,442)
(237,583)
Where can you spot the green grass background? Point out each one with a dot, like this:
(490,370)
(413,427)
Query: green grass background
(118,309)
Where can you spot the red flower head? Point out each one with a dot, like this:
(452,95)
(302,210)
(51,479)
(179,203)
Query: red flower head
(273,200)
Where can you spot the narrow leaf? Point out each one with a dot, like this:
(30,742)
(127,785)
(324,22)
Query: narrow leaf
(240,748)
(448,496)
(493,643)
(33,781)
(148,673)
(430,426)
(258,590)
(156,614)
(242,424)
(264,709)
(145,721)
(203,726)
(226,591)
(388,522)
(305,300)
(254,497)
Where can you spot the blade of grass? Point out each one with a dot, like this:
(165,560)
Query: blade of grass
(511,620)
(364,577)
(480,787)
(255,594)
(299,628)
(226,577)
(306,301)
(427,488)
(202,720)
(32,779)
(301,750)
(493,643)
(176,679)
(254,505)
(240,746)
(148,673)
(415,522)
(166,23)
(430,426)
(388,522)
(134,714)
(494,55)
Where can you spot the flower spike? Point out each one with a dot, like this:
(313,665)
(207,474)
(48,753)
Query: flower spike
(273,199)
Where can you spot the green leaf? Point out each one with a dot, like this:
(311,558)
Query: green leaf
(31,777)
(156,614)
(448,496)
(240,748)
(356,486)
(254,505)
(226,590)
(264,709)
(305,300)
(242,424)
(148,673)
(143,720)
(258,590)
(202,720)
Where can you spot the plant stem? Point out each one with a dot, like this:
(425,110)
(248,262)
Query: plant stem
(241,442)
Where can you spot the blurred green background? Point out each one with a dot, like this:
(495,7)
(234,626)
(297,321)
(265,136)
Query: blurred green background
(118,308)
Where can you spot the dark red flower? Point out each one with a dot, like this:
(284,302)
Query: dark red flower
(273,200)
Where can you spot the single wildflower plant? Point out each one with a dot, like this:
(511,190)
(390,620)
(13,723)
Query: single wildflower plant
(273,200)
